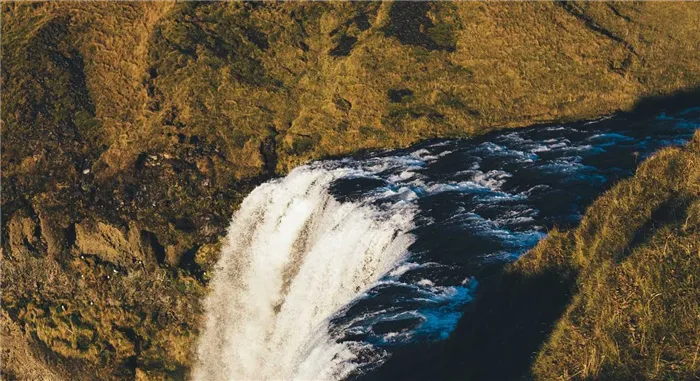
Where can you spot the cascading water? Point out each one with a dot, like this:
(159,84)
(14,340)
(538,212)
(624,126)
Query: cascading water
(294,255)
(327,271)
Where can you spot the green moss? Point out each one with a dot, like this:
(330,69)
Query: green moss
(302,145)
(238,138)
(443,35)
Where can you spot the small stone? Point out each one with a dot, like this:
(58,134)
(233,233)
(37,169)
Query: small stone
(86,171)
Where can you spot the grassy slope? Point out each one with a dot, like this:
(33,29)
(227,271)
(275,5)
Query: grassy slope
(198,100)
(636,305)
(614,299)
(177,110)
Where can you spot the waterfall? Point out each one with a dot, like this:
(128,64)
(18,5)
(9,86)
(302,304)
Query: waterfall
(316,280)
(292,257)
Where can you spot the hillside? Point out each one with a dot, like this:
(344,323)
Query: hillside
(612,299)
(131,131)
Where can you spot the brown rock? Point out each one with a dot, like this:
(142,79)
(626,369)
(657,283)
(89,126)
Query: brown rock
(22,234)
(52,235)
(173,253)
(19,361)
(105,241)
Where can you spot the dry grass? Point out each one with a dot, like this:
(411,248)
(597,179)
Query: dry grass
(156,118)
(614,299)
(636,304)
(86,313)
(226,93)
(229,72)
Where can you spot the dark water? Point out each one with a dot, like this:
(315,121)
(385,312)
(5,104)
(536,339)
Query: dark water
(482,203)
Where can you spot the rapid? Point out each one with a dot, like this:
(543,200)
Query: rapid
(327,270)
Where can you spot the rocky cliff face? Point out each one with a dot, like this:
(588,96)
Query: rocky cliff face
(131,131)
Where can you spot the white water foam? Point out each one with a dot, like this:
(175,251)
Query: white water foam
(291,293)
(293,257)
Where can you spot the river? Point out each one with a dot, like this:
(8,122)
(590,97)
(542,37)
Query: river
(328,270)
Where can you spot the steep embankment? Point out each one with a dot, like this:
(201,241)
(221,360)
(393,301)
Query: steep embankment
(635,306)
(614,299)
(131,131)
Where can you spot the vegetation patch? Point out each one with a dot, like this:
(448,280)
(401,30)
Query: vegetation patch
(399,95)
(410,24)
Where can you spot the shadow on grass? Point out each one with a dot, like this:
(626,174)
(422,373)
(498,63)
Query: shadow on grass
(498,335)
(512,316)
(678,101)
(670,212)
